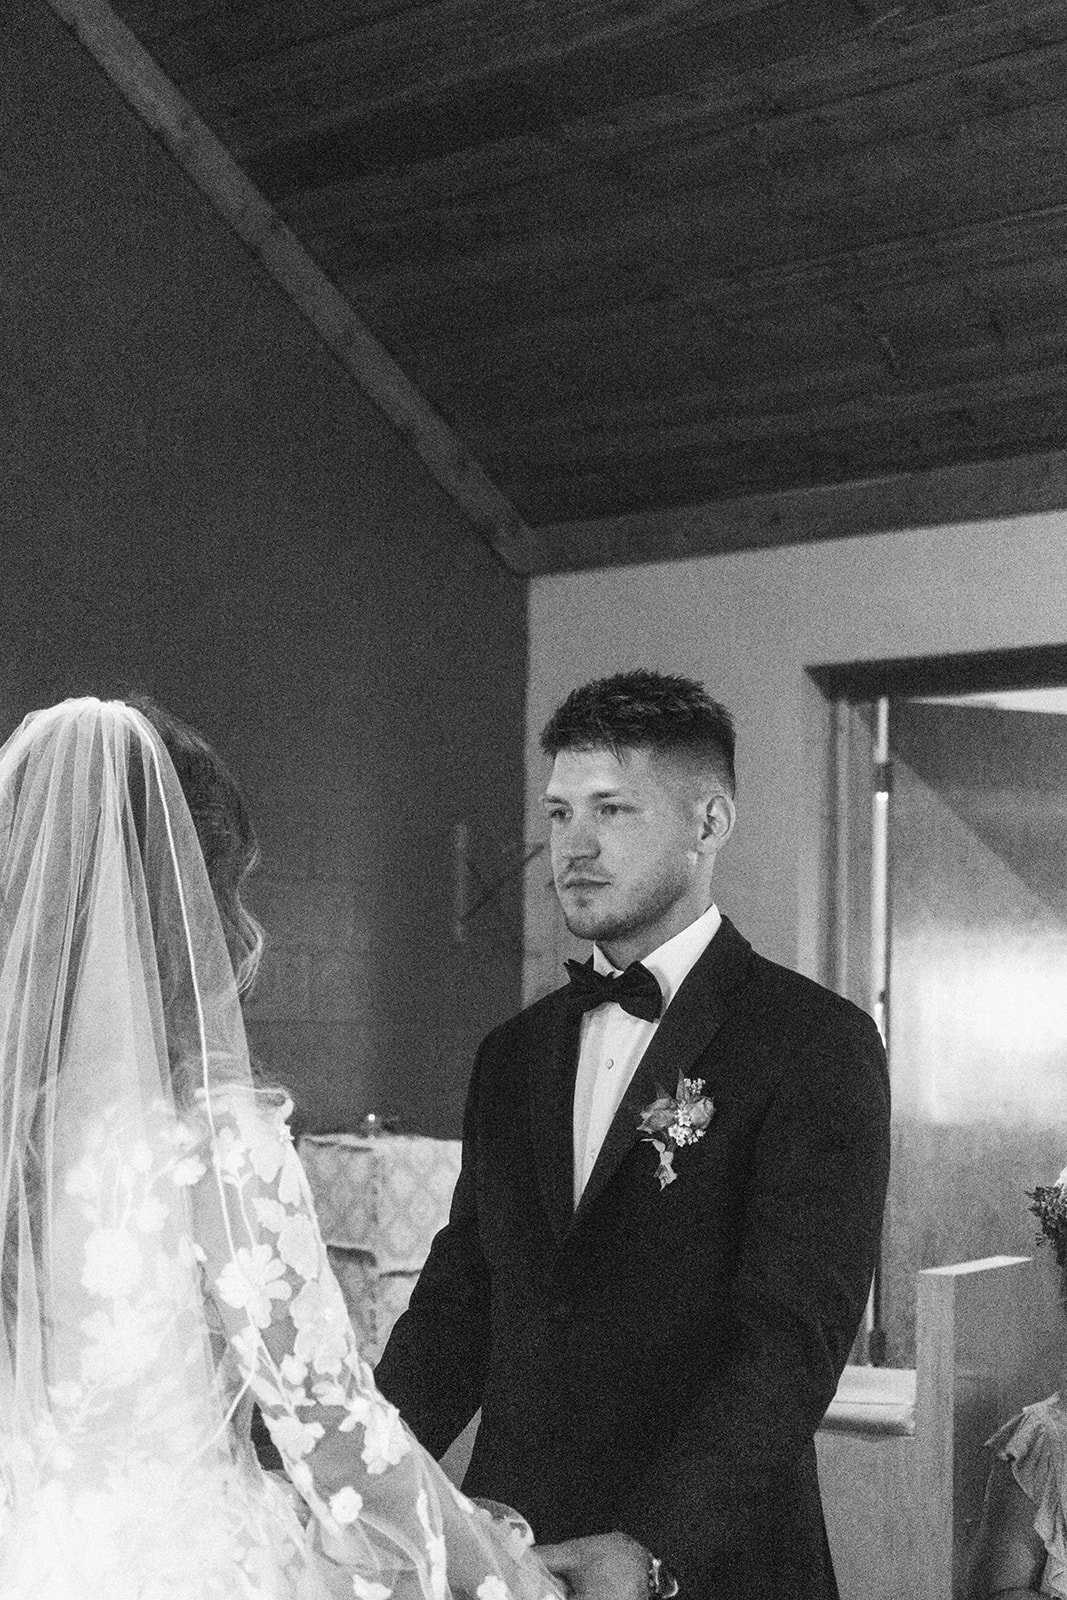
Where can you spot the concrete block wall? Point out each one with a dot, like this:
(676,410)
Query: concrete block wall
(195,501)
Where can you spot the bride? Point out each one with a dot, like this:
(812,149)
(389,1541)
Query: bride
(160,1263)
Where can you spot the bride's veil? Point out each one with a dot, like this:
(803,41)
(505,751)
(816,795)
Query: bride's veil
(137,1162)
(119,1016)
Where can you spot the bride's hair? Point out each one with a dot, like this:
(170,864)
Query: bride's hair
(223,827)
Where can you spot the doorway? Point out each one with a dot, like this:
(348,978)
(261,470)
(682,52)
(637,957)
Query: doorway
(950,919)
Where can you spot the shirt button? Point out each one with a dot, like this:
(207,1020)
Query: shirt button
(611,1062)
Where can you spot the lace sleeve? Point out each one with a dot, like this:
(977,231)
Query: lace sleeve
(383,1511)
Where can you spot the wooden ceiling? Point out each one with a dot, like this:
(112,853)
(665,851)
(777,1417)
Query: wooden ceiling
(679,276)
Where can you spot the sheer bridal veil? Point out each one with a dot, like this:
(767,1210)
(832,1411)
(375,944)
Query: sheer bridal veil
(118,1015)
(159,1258)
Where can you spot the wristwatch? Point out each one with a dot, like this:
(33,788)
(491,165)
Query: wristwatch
(662,1584)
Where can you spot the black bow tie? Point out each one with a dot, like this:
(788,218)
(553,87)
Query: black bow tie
(636,989)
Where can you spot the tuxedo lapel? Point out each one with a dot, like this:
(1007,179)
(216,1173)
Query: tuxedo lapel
(690,1022)
(552,1078)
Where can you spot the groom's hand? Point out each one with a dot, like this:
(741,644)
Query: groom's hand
(604,1566)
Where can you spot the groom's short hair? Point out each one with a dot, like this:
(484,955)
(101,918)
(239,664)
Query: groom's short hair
(671,716)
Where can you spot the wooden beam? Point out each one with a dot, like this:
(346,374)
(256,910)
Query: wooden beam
(225,185)
(973,492)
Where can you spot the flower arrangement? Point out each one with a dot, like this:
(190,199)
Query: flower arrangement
(1048,1203)
(673,1121)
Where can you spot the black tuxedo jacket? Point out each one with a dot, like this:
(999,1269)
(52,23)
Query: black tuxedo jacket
(658,1361)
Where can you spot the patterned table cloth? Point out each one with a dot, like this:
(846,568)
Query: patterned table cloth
(380,1201)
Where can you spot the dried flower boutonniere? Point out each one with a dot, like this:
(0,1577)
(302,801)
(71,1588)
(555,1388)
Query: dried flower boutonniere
(673,1121)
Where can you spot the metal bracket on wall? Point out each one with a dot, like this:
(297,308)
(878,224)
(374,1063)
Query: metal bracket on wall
(474,891)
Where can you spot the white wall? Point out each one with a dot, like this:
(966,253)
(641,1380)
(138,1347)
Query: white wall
(749,625)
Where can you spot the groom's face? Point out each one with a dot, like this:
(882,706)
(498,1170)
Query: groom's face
(632,848)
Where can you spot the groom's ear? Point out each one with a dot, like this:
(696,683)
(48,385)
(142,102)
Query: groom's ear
(717,823)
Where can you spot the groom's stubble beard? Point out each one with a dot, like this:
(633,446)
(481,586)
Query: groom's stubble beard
(643,905)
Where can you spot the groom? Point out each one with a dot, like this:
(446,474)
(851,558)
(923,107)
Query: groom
(652,1303)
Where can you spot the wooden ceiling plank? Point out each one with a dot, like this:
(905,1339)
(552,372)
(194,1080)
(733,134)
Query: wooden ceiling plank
(813,345)
(962,493)
(986,256)
(669,481)
(190,39)
(596,441)
(661,390)
(641,126)
(204,160)
(369,95)
(572,235)
(684,68)
(925,48)
(700,467)
(939,322)
(301,127)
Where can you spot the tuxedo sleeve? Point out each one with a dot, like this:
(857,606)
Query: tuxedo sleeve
(811,1222)
(433,1366)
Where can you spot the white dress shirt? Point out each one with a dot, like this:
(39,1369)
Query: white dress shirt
(612,1042)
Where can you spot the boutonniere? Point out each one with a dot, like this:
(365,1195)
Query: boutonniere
(673,1121)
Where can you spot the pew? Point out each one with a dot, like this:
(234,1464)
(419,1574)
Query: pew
(901,1458)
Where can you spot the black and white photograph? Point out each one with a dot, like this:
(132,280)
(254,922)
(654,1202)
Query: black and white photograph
(533,799)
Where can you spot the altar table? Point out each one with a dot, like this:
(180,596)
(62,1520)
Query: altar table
(379,1200)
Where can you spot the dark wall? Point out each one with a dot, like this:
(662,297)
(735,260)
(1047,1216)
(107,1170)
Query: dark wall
(196,501)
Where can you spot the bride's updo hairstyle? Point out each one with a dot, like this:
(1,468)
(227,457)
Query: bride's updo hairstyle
(223,827)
